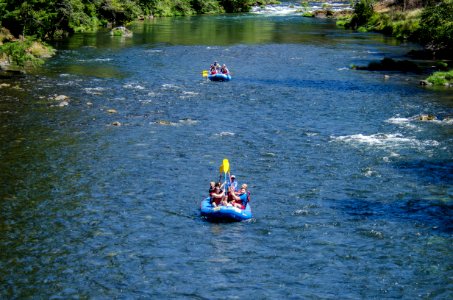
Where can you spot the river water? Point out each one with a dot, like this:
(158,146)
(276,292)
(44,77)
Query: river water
(351,193)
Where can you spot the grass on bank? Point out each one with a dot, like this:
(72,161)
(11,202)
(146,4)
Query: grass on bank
(26,52)
(430,26)
(402,25)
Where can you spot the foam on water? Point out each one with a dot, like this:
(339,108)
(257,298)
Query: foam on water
(95,90)
(134,86)
(225,133)
(295,8)
(386,141)
(403,122)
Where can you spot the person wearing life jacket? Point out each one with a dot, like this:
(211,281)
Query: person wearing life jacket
(213,70)
(241,199)
(217,66)
(232,183)
(217,195)
(211,188)
(224,70)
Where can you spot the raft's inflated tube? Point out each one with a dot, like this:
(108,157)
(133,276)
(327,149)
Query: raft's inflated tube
(224,213)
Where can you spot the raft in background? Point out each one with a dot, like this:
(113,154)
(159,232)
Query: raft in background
(219,77)
(224,213)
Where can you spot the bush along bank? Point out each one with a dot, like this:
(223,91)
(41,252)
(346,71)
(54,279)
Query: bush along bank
(21,53)
(431,26)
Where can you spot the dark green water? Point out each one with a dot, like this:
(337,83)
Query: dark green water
(351,193)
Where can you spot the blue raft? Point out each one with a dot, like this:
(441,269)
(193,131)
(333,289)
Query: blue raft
(224,213)
(219,77)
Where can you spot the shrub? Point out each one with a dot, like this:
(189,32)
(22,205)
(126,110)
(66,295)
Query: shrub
(18,53)
(441,78)
(436,26)
(363,10)
(343,21)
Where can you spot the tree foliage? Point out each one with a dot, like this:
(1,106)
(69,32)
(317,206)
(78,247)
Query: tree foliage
(49,19)
(436,26)
(18,52)
(363,10)
(433,27)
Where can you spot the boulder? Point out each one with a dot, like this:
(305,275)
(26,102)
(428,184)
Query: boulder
(428,117)
(61,98)
(425,83)
(121,31)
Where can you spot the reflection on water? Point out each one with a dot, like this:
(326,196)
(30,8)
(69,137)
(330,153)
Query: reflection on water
(219,31)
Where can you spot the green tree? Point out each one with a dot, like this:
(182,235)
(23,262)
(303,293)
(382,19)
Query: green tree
(363,11)
(436,27)
(206,6)
(119,12)
(232,6)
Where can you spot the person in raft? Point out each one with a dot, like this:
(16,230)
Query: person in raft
(217,196)
(240,200)
(217,66)
(224,70)
(233,183)
(211,188)
(212,70)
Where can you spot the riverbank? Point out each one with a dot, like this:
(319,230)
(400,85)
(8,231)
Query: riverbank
(21,53)
(429,26)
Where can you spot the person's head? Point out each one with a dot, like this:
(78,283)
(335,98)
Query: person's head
(243,189)
(223,66)
(233,177)
(217,185)
(212,184)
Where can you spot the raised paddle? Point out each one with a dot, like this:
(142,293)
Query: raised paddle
(226,169)
(226,166)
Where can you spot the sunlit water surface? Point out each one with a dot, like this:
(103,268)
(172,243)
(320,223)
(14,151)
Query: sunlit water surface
(351,193)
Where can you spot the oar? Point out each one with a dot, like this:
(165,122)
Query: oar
(226,169)
(226,165)
(205,73)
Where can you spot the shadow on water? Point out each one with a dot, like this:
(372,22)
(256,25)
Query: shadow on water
(336,86)
(435,214)
(432,172)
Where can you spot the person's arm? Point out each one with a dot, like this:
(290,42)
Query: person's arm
(235,197)
(220,195)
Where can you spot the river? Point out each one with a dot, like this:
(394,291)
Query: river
(351,193)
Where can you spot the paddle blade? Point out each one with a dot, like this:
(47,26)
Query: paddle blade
(205,73)
(221,169)
(226,165)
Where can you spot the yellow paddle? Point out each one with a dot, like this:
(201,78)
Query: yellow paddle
(226,166)
(205,73)
(226,169)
